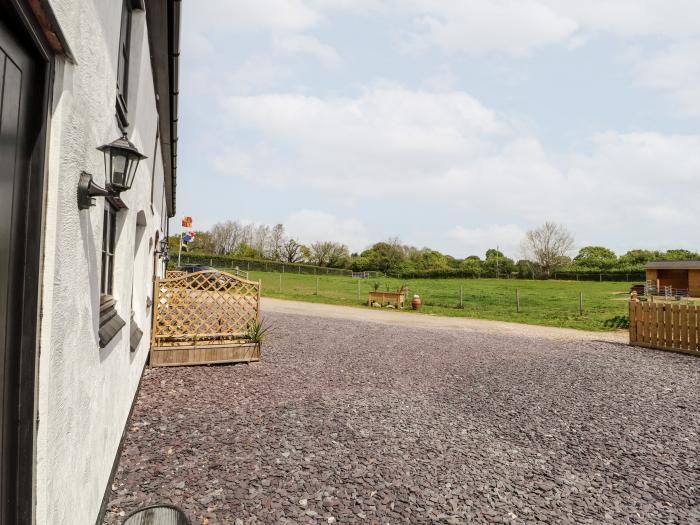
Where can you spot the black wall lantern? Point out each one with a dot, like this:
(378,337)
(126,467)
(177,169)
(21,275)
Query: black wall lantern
(121,161)
(162,252)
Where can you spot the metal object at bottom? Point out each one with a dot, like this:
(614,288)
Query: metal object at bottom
(157,515)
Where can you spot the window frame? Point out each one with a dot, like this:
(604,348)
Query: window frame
(108,250)
(124,62)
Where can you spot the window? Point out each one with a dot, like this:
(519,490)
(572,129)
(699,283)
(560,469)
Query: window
(109,230)
(123,63)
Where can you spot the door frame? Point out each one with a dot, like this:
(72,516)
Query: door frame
(21,504)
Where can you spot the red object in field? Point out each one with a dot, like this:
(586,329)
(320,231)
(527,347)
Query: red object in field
(416,303)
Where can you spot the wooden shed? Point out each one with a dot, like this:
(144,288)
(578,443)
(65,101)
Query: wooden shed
(681,275)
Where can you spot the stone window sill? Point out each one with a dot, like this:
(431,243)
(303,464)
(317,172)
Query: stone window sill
(110,322)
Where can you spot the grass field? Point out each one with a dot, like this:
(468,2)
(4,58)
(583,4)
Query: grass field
(550,303)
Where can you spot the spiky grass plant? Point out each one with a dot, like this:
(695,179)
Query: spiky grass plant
(258,330)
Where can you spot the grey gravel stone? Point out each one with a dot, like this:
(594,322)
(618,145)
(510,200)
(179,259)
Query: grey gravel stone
(372,423)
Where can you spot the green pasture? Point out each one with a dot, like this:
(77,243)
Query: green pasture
(550,303)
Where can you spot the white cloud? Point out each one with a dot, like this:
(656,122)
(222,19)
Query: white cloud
(312,225)
(389,138)
(449,151)
(250,15)
(476,240)
(518,27)
(256,74)
(628,18)
(295,43)
(474,26)
(676,71)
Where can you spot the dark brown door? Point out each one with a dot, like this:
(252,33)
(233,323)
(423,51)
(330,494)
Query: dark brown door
(22,97)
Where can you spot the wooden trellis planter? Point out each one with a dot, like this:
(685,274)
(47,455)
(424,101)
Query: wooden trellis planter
(203,318)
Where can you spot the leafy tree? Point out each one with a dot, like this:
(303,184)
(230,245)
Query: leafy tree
(388,256)
(472,265)
(292,251)
(328,253)
(596,257)
(432,260)
(526,269)
(497,264)
(638,257)
(681,255)
(246,250)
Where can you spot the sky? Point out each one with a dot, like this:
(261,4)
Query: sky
(456,125)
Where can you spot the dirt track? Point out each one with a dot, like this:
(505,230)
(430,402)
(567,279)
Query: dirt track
(414,320)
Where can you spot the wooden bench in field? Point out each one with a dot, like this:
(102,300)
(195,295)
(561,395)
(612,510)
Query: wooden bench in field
(397,298)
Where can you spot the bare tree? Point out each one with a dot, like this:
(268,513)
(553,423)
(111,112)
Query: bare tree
(338,254)
(261,235)
(548,245)
(276,242)
(226,236)
(292,251)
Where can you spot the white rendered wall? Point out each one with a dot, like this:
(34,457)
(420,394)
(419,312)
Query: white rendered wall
(85,392)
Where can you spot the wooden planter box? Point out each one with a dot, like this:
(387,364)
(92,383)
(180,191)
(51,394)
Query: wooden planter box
(202,318)
(396,298)
(205,354)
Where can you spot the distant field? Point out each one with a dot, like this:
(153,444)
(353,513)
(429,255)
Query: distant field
(550,303)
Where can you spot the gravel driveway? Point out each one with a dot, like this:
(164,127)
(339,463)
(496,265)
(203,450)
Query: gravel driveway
(359,422)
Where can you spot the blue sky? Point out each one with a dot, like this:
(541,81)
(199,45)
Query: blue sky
(456,125)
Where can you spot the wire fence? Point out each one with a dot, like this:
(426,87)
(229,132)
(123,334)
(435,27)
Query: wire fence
(258,265)
(600,276)
(589,305)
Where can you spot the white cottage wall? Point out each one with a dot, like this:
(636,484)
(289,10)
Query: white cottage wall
(85,392)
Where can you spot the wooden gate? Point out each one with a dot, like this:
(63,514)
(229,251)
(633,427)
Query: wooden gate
(204,318)
(665,326)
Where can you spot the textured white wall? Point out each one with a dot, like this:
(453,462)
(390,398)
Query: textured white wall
(84,392)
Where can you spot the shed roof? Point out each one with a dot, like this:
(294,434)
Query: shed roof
(673,265)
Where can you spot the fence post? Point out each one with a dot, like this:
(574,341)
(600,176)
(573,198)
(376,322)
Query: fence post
(211,262)
(299,268)
(461,296)
(282,267)
(580,303)
(517,300)
(358,290)
(316,285)
(280,283)
(601,277)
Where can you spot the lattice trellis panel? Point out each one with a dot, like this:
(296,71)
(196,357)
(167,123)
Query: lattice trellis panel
(208,307)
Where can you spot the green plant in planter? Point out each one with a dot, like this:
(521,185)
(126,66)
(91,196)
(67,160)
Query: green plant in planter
(257,331)
(376,286)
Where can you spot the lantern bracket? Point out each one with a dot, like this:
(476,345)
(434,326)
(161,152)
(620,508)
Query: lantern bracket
(88,189)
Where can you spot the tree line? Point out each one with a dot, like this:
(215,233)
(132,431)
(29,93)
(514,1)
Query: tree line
(545,250)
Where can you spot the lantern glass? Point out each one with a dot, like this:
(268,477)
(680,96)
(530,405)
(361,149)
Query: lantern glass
(120,165)
(121,161)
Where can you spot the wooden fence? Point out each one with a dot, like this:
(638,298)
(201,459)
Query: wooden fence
(665,326)
(204,317)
